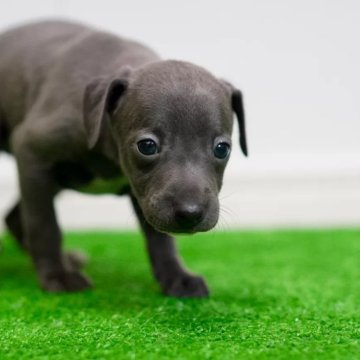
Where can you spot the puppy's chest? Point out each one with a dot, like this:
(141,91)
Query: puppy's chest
(96,175)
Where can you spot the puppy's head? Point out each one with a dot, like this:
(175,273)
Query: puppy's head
(171,123)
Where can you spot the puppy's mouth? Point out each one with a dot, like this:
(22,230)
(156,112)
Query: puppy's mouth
(175,229)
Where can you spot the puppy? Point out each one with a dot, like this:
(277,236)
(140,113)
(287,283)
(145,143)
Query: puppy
(86,110)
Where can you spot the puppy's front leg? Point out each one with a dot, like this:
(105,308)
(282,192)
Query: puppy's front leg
(41,231)
(167,268)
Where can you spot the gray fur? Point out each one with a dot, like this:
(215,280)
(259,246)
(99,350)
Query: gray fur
(74,103)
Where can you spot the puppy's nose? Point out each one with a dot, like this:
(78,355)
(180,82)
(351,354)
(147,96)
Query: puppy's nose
(188,215)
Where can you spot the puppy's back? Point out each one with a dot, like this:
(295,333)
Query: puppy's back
(58,58)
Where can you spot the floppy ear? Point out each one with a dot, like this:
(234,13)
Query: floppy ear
(237,105)
(238,108)
(101,99)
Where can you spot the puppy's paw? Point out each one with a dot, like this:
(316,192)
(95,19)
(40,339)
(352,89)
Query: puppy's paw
(186,286)
(66,281)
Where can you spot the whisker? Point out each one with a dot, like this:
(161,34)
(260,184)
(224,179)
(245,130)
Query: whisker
(231,214)
(228,195)
(222,223)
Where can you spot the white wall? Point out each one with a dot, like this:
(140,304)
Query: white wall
(297,63)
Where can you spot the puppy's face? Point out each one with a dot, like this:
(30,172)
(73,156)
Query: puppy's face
(172,128)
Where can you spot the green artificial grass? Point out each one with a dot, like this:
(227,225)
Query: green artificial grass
(275,295)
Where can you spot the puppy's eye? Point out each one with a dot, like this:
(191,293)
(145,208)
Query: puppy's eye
(222,150)
(147,147)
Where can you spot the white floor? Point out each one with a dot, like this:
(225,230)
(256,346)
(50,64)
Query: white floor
(250,199)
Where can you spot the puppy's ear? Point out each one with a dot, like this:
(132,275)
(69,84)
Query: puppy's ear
(101,98)
(238,108)
(237,105)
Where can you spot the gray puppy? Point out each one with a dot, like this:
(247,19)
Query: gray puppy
(86,110)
